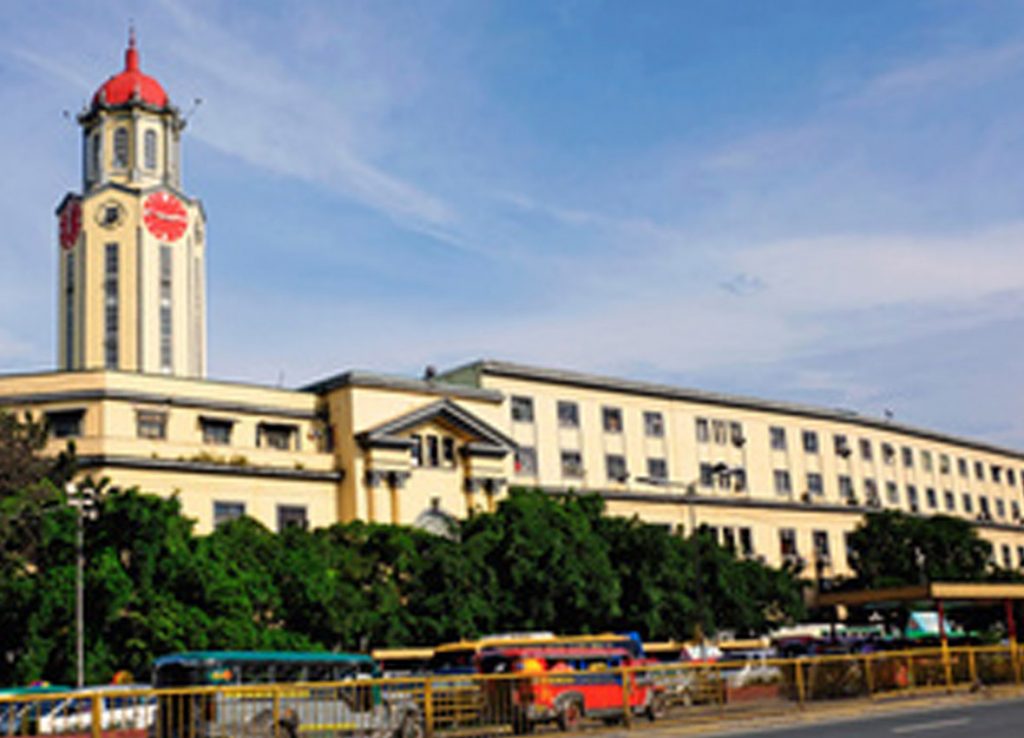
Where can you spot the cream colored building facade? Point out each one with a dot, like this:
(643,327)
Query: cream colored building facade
(130,393)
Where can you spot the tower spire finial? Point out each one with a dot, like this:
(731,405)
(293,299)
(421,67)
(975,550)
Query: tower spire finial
(131,54)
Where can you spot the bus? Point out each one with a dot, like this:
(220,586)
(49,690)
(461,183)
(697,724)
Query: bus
(317,693)
(400,662)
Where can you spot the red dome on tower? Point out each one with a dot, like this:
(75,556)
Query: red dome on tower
(131,84)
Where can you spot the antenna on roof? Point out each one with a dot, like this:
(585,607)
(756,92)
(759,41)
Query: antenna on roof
(888,414)
(196,102)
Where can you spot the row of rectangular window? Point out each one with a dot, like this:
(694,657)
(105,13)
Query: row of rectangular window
(121,153)
(815,488)
(433,451)
(568,414)
(810,443)
(152,425)
(288,516)
(722,432)
(617,471)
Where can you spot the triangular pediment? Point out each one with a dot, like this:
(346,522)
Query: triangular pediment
(482,438)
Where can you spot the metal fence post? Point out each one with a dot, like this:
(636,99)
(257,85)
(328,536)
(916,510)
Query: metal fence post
(869,677)
(428,708)
(97,716)
(627,713)
(911,682)
(947,665)
(972,662)
(800,687)
(277,711)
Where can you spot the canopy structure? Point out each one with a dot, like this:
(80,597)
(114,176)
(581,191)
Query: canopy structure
(938,593)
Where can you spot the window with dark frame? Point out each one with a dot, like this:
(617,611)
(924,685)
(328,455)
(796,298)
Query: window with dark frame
(815,486)
(64,423)
(121,147)
(526,461)
(810,439)
(277,436)
(892,493)
(845,487)
(291,516)
(979,471)
(950,500)
(149,146)
(908,457)
(912,497)
(777,438)
(787,542)
(703,430)
(572,464)
(968,503)
(944,465)
(931,498)
(654,424)
(568,414)
(216,431)
(224,512)
(433,451)
(746,542)
(657,468)
(522,409)
(866,452)
(615,467)
(416,450)
(611,419)
(719,432)
(821,545)
(782,483)
(151,424)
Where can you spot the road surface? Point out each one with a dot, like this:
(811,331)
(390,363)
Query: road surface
(985,719)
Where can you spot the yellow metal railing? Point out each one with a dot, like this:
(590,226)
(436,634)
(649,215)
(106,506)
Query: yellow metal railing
(494,704)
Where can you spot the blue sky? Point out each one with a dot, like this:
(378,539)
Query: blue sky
(814,201)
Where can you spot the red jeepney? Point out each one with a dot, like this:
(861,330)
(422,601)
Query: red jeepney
(564,684)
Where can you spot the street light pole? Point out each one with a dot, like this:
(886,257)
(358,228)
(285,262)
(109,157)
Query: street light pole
(82,499)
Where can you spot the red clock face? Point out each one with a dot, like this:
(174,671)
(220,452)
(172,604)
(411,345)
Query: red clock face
(70,224)
(165,216)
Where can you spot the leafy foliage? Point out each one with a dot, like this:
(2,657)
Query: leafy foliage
(892,548)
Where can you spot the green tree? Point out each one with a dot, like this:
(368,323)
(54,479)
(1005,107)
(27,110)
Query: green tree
(551,568)
(891,548)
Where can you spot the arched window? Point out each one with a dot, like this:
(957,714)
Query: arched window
(94,156)
(150,146)
(121,148)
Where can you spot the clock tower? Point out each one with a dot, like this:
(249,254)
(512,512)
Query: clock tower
(132,244)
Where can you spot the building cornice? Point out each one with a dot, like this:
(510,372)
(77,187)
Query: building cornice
(154,398)
(669,392)
(205,467)
(391,382)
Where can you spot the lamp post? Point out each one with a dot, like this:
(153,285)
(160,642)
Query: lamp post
(689,493)
(83,499)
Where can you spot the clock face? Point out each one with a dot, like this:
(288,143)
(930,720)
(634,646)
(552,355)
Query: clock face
(165,216)
(70,224)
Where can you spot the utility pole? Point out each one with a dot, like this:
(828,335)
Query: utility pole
(83,500)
